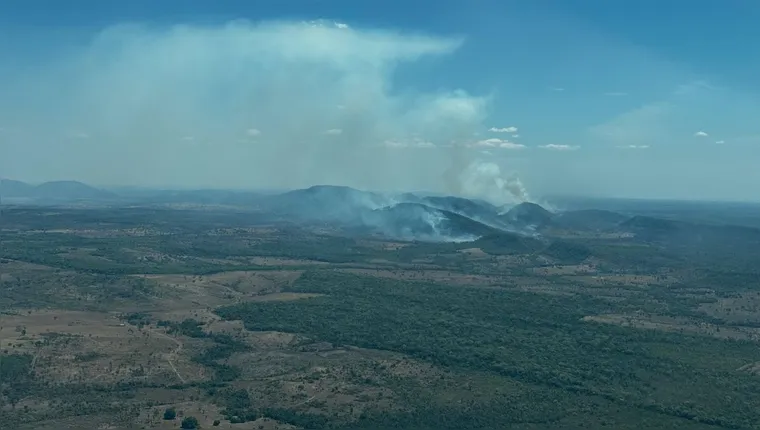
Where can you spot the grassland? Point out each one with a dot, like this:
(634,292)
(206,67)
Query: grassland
(111,317)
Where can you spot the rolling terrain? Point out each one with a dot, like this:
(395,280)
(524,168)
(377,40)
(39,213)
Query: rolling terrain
(336,308)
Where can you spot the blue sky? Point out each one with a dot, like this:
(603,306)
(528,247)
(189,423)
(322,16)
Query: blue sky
(608,98)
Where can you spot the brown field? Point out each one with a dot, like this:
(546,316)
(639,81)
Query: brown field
(383,245)
(564,270)
(677,325)
(474,253)
(742,308)
(442,276)
(281,369)
(227,286)
(622,280)
(283,297)
(71,346)
(275,261)
(206,414)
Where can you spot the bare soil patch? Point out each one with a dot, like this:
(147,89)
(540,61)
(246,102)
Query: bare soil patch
(678,325)
(276,261)
(441,276)
(206,413)
(743,308)
(383,245)
(195,292)
(283,297)
(576,269)
(76,347)
(607,280)
(475,253)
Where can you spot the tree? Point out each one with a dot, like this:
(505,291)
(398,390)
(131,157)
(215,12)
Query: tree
(170,414)
(189,423)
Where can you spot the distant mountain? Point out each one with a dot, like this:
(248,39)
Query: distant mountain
(324,202)
(56,190)
(415,220)
(738,244)
(244,199)
(475,209)
(588,219)
(405,216)
(15,189)
(70,190)
(527,215)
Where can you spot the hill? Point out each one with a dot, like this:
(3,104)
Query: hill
(421,222)
(527,215)
(323,202)
(733,245)
(70,190)
(407,216)
(15,189)
(474,209)
(54,191)
(588,219)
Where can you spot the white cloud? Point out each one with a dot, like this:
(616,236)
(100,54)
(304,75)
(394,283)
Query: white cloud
(634,146)
(560,147)
(510,129)
(720,142)
(409,143)
(341,25)
(515,136)
(497,143)
(129,85)
(395,144)
(425,144)
(334,131)
(700,134)
(253,132)
(615,94)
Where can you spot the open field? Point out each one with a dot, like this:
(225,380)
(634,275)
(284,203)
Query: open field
(261,327)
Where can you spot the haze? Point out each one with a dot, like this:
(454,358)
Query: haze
(459,102)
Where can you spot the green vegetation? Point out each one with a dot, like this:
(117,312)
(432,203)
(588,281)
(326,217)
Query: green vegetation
(189,423)
(170,414)
(88,339)
(557,363)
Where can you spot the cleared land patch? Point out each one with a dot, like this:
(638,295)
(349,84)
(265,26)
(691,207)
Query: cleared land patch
(678,325)
(442,276)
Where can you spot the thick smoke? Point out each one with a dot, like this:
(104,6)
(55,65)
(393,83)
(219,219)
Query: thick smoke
(272,105)
(485,180)
(404,216)
(279,105)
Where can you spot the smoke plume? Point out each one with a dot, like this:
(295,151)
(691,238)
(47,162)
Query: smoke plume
(241,105)
(485,180)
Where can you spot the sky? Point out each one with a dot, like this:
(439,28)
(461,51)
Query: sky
(501,99)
